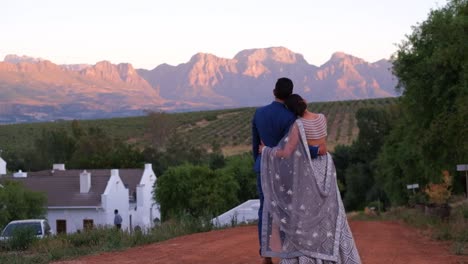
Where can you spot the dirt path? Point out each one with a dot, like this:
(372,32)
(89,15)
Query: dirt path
(378,243)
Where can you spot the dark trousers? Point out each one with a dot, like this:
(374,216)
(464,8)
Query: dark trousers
(260,209)
(118,226)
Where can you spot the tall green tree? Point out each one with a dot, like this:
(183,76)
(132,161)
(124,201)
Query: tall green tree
(432,70)
(195,190)
(161,126)
(356,163)
(178,150)
(17,202)
(240,167)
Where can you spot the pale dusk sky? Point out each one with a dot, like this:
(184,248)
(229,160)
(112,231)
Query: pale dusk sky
(148,33)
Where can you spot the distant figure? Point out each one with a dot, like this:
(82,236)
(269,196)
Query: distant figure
(117,219)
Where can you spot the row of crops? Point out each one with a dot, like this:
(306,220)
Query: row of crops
(234,128)
(228,127)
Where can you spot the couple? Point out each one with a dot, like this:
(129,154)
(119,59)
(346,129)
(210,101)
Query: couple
(301,216)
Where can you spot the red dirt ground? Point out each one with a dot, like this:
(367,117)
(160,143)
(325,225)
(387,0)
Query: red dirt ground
(377,242)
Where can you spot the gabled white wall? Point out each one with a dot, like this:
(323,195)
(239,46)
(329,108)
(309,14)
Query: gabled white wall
(2,167)
(145,210)
(114,197)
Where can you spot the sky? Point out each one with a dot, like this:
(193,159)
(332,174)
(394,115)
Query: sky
(147,33)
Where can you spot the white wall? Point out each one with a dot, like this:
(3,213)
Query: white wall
(75,217)
(115,197)
(145,210)
(244,213)
(2,167)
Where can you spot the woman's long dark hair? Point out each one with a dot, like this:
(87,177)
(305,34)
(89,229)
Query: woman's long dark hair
(296,104)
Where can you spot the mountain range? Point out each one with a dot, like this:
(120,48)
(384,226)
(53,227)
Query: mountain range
(33,89)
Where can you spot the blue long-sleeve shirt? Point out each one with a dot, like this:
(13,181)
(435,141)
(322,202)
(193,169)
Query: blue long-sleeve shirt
(269,124)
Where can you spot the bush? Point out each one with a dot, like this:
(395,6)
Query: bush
(417,198)
(21,239)
(377,206)
(100,240)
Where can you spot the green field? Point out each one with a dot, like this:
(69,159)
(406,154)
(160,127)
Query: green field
(231,128)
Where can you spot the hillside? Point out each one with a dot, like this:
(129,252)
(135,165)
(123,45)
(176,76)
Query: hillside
(33,89)
(231,128)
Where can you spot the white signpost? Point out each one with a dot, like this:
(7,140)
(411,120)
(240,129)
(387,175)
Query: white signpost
(412,187)
(464,167)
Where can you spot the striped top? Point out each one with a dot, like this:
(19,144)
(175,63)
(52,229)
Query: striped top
(315,128)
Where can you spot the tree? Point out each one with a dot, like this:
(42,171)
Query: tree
(17,202)
(54,146)
(178,151)
(355,165)
(161,126)
(94,149)
(431,66)
(240,167)
(195,190)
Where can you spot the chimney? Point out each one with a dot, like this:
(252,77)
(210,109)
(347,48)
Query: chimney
(148,166)
(59,166)
(114,173)
(20,174)
(85,182)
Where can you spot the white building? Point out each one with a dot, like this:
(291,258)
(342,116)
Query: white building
(243,213)
(2,167)
(78,199)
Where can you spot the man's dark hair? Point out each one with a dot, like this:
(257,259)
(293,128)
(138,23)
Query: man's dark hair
(116,211)
(296,104)
(283,88)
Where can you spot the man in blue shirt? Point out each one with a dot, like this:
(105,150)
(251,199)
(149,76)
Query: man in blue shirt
(269,125)
(117,219)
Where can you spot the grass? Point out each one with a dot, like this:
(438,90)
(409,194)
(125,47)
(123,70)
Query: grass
(453,229)
(98,240)
(231,128)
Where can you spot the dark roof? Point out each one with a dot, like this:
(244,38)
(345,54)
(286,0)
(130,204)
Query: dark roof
(63,187)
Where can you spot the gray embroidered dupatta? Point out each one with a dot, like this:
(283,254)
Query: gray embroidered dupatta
(303,214)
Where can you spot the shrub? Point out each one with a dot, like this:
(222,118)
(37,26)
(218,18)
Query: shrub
(21,239)
(439,193)
(417,198)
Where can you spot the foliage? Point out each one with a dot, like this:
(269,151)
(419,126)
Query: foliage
(17,202)
(358,179)
(196,191)
(178,151)
(341,158)
(55,146)
(355,164)
(439,193)
(100,239)
(417,198)
(431,66)
(21,239)
(240,167)
(160,127)
(229,127)
(77,148)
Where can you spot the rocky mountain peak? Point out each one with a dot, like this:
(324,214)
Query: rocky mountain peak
(343,58)
(276,54)
(13,58)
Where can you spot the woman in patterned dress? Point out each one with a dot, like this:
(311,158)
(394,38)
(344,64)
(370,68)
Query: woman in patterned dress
(303,209)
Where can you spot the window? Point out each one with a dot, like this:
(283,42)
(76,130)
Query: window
(34,226)
(61,226)
(46,228)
